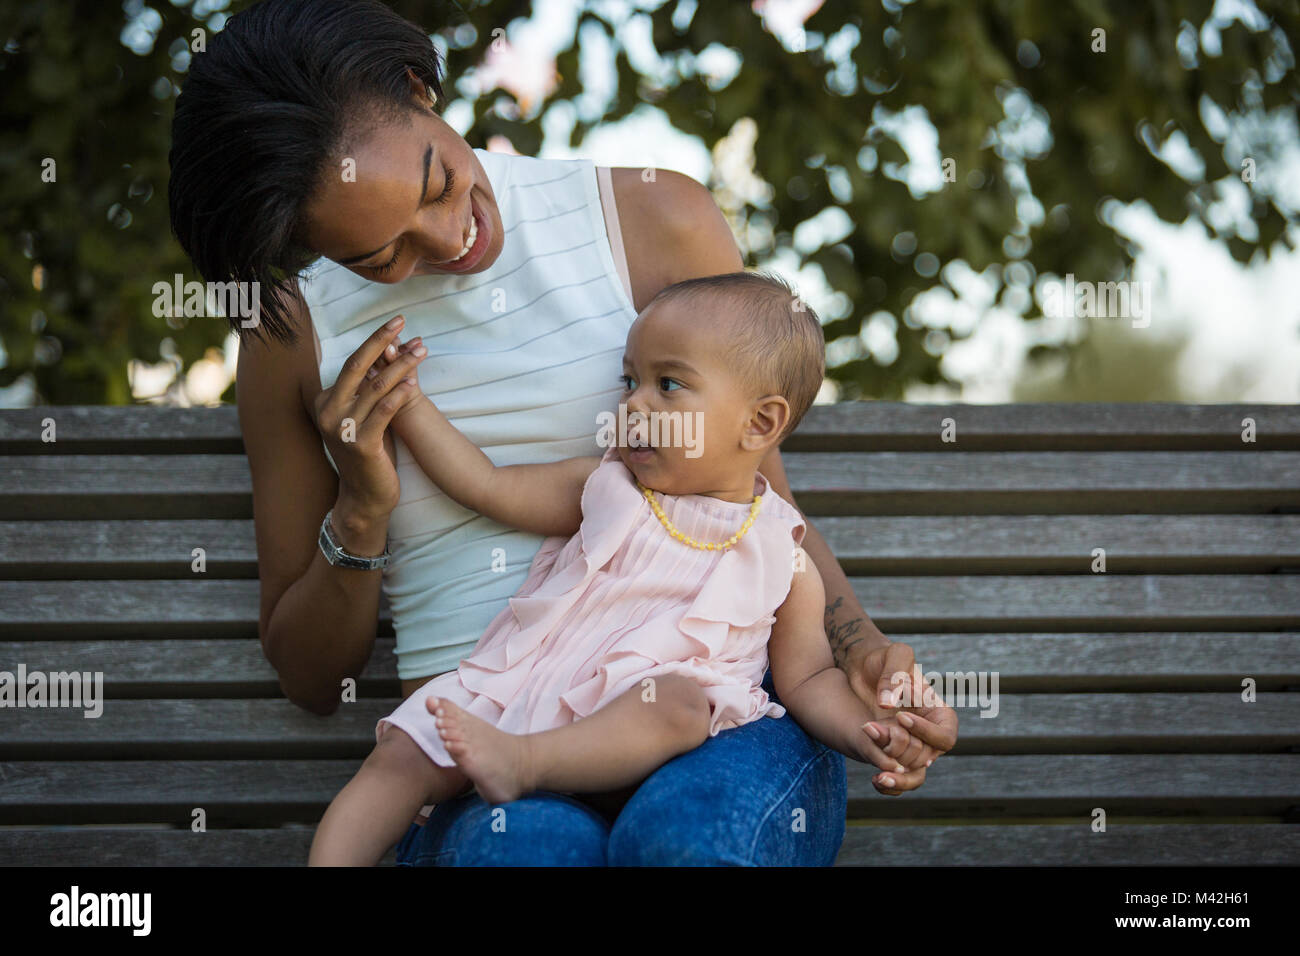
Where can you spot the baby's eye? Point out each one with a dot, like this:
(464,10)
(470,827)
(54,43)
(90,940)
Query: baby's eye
(627,382)
(665,378)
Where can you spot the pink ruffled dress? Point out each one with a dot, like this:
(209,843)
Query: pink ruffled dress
(620,601)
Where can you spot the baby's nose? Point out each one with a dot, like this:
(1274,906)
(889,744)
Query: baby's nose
(638,428)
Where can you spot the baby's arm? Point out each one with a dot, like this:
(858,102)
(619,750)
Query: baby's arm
(810,686)
(541,498)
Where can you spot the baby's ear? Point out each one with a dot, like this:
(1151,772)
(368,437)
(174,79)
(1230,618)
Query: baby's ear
(767,421)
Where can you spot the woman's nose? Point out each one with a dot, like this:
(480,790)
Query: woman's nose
(443,239)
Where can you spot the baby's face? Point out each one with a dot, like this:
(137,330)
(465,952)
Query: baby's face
(685,409)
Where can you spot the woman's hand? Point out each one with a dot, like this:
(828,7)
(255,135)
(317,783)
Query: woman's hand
(353,416)
(395,353)
(911,724)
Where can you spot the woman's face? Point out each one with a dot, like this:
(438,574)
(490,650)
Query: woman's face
(407,198)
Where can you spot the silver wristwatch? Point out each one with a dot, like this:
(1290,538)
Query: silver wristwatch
(336,556)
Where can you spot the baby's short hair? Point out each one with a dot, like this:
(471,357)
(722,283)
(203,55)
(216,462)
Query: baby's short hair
(771,337)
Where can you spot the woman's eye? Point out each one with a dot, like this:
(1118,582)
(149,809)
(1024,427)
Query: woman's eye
(397,249)
(388,266)
(450,180)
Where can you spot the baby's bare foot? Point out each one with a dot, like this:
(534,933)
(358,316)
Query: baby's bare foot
(497,762)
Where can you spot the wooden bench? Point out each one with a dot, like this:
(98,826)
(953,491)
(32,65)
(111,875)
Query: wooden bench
(1119,690)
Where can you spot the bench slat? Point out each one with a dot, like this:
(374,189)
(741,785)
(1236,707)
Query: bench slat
(1064,785)
(126,549)
(104,846)
(33,610)
(1025,723)
(884,483)
(976,544)
(864,425)
(1123,844)
(864,545)
(1030,845)
(212,486)
(114,429)
(276,791)
(184,667)
(1081,602)
(900,426)
(1026,663)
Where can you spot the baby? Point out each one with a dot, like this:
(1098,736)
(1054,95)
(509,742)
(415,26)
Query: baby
(670,576)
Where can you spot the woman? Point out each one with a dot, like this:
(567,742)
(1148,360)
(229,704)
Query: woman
(310,131)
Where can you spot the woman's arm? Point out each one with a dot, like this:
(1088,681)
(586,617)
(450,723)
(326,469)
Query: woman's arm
(872,664)
(317,622)
(848,628)
(813,689)
(541,498)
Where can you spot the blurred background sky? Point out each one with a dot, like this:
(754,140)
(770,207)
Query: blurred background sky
(1223,330)
(725,104)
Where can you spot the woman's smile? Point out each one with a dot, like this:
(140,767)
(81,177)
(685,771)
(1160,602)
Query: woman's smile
(479,238)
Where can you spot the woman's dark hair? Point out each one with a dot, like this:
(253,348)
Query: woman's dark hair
(263,112)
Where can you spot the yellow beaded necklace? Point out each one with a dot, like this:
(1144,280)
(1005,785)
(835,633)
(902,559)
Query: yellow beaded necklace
(687,539)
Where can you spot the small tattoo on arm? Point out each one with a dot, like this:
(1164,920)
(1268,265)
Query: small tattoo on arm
(842,635)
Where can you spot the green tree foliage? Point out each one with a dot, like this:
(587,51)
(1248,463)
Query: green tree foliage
(1040,129)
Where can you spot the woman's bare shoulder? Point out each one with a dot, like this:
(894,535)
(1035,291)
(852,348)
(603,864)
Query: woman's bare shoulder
(672,229)
(273,368)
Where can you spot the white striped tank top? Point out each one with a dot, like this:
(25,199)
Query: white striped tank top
(523,357)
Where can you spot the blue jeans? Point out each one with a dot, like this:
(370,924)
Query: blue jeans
(763,794)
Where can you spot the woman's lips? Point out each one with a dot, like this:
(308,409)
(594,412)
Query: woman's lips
(471,258)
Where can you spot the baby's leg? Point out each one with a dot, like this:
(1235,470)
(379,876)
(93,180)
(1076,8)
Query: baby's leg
(372,812)
(620,744)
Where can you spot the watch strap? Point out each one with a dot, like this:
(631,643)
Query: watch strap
(337,556)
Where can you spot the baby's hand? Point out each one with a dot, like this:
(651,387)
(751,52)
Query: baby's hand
(889,747)
(400,361)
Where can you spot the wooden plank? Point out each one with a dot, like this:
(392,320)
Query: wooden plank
(912,544)
(126,549)
(1115,661)
(192,729)
(44,610)
(258,792)
(1026,663)
(137,609)
(185,667)
(97,609)
(107,846)
(1100,602)
(901,426)
(266,792)
(1024,723)
(1252,481)
(1157,482)
(1069,785)
(979,544)
(126,486)
(861,426)
(117,429)
(1123,844)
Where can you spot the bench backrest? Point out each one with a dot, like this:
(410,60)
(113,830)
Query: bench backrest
(974,533)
